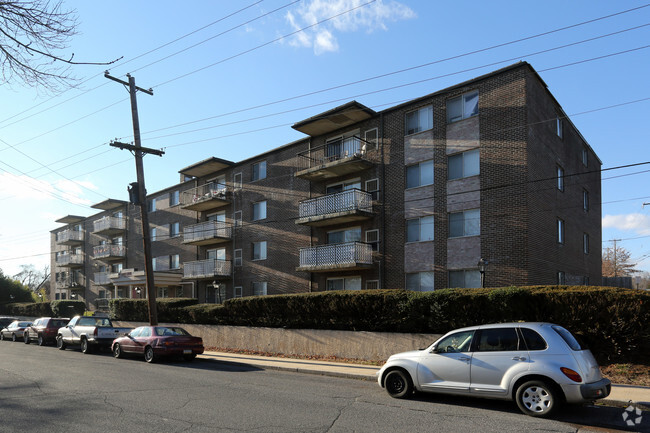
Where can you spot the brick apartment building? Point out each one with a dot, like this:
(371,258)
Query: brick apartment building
(412,196)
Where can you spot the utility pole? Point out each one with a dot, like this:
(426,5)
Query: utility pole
(139,151)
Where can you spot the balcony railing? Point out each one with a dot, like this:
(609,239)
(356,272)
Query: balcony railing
(71,281)
(102,278)
(209,268)
(339,207)
(108,251)
(207,232)
(349,255)
(70,260)
(205,197)
(109,224)
(102,304)
(334,159)
(67,237)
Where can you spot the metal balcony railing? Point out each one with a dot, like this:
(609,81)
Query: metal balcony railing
(69,236)
(102,304)
(346,201)
(335,256)
(208,268)
(102,278)
(339,150)
(109,250)
(71,281)
(207,230)
(108,223)
(70,260)
(204,193)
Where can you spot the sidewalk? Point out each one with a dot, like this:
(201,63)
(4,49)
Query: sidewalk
(621,394)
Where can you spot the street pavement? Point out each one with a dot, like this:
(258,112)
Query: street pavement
(620,395)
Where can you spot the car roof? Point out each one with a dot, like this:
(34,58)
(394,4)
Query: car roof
(509,324)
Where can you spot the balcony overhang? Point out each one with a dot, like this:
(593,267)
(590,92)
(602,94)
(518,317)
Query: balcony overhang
(109,231)
(334,267)
(110,204)
(70,219)
(340,167)
(202,205)
(335,218)
(334,119)
(206,167)
(208,241)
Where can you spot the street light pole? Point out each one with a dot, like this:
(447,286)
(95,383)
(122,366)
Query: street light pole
(482,265)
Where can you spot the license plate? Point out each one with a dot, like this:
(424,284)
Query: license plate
(187,351)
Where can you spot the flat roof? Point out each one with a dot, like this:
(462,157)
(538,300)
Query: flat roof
(344,115)
(70,219)
(205,167)
(110,204)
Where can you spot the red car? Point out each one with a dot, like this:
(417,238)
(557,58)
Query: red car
(43,330)
(155,342)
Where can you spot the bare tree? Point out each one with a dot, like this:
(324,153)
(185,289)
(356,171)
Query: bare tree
(616,262)
(33,37)
(31,278)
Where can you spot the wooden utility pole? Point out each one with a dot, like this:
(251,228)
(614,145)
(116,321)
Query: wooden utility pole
(139,152)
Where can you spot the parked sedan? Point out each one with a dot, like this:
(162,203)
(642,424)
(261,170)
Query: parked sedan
(6,321)
(15,330)
(539,365)
(158,341)
(44,330)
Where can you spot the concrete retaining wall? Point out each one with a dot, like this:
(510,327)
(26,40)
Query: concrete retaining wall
(371,346)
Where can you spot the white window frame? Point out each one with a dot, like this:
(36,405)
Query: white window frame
(585,200)
(372,284)
(422,225)
(346,230)
(261,207)
(345,185)
(421,113)
(464,161)
(560,178)
(419,165)
(345,282)
(237,292)
(466,232)
(174,230)
(561,277)
(370,144)
(263,249)
(585,243)
(560,231)
(174,261)
(238,218)
(260,286)
(174,198)
(238,257)
(237,182)
(419,276)
(372,238)
(464,285)
(463,100)
(372,187)
(261,168)
(559,127)
(152,205)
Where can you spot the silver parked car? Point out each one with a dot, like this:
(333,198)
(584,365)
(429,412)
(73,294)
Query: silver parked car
(539,365)
(15,330)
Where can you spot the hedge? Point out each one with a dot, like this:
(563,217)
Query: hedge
(68,308)
(29,309)
(612,321)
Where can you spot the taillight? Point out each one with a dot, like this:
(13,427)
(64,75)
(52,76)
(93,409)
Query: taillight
(95,332)
(571,374)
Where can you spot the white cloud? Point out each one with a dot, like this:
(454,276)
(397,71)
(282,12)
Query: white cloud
(23,187)
(637,222)
(369,18)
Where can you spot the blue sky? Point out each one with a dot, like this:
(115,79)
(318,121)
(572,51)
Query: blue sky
(230,78)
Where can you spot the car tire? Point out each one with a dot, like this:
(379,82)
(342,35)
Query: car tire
(2,336)
(537,398)
(41,340)
(398,384)
(60,344)
(149,354)
(86,348)
(13,337)
(26,338)
(117,351)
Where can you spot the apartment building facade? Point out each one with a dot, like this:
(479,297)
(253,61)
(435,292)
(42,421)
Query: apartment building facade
(413,197)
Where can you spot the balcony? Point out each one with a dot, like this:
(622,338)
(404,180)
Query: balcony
(335,159)
(102,278)
(205,197)
(76,281)
(341,207)
(336,257)
(109,226)
(109,252)
(208,232)
(70,237)
(102,304)
(210,268)
(70,260)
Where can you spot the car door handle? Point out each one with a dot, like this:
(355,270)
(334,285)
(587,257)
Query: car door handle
(518,358)
(464,358)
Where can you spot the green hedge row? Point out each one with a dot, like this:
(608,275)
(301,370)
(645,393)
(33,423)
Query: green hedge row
(29,309)
(612,321)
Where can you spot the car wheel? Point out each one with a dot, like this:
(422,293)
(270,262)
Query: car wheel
(117,351)
(2,336)
(189,357)
(149,356)
(13,337)
(398,384)
(41,340)
(85,347)
(60,344)
(26,338)
(537,398)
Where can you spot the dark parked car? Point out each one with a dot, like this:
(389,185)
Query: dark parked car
(14,330)
(44,330)
(158,341)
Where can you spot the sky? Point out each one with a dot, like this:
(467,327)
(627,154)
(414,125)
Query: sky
(230,78)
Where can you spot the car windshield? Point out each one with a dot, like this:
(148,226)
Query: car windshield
(568,338)
(170,331)
(24,324)
(58,323)
(457,342)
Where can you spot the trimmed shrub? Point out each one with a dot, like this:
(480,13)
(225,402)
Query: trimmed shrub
(30,309)
(169,309)
(68,308)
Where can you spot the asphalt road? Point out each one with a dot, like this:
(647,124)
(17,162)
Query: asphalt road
(43,389)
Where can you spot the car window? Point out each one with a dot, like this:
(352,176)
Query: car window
(136,332)
(568,338)
(58,323)
(456,342)
(146,332)
(24,324)
(533,340)
(498,340)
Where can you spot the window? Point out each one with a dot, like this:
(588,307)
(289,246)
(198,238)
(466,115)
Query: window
(259,210)
(533,340)
(372,238)
(259,288)
(152,205)
(466,223)
(174,261)
(457,342)
(348,283)
(343,236)
(259,170)
(419,229)
(259,250)
(585,243)
(161,263)
(558,127)
(498,340)
(154,230)
(560,277)
(462,107)
(343,186)
(370,138)
(419,174)
(174,198)
(163,292)
(585,200)
(372,187)
(372,284)
(419,120)
(116,268)
(468,279)
(237,292)
(237,181)
(238,257)
(560,178)
(584,157)
(464,164)
(238,218)
(420,282)
(560,231)
(175,230)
